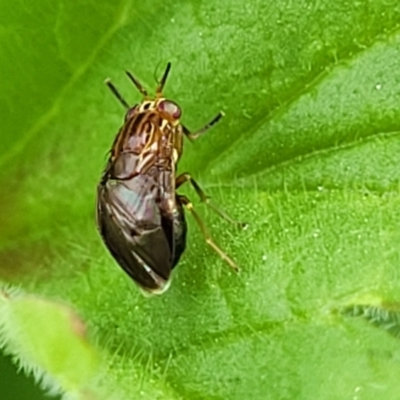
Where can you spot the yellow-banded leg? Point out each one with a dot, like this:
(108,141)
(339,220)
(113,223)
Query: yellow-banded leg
(194,135)
(116,93)
(186,202)
(185,177)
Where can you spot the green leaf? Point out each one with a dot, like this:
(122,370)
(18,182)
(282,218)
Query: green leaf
(48,337)
(307,155)
(386,317)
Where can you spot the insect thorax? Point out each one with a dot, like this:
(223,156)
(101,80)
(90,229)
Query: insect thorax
(152,134)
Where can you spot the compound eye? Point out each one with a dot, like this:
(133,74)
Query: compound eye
(170,108)
(131,112)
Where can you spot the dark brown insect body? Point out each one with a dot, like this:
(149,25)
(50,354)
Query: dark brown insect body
(140,216)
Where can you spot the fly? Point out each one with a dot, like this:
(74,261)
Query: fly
(140,215)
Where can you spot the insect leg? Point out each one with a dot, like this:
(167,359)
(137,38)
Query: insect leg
(160,86)
(186,202)
(185,177)
(138,85)
(205,128)
(116,93)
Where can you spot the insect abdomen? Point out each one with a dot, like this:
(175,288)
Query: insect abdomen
(130,224)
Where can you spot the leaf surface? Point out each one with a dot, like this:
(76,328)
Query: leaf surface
(307,155)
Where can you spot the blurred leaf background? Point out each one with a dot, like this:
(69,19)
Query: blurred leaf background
(307,154)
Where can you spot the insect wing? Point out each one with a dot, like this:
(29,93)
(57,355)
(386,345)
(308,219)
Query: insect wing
(176,230)
(130,224)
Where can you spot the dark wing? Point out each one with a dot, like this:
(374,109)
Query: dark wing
(175,229)
(129,221)
(180,228)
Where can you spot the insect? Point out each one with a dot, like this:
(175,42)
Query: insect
(139,214)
